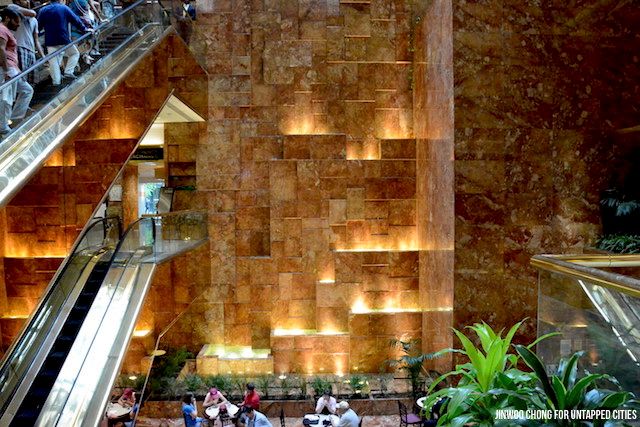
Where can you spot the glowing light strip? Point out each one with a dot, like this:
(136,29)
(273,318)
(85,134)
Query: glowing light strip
(399,310)
(279,332)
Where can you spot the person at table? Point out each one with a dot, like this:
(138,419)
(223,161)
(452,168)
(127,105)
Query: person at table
(348,417)
(214,399)
(326,404)
(190,412)
(252,418)
(126,400)
(251,398)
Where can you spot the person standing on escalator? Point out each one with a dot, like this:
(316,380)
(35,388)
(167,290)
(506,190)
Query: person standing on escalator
(54,19)
(27,37)
(14,99)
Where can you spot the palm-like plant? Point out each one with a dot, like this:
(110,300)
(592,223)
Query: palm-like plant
(412,361)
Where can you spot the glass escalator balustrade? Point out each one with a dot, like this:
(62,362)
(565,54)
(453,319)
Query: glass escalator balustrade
(25,356)
(118,45)
(73,386)
(596,311)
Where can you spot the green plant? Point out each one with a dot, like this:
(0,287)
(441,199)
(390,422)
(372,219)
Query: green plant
(564,391)
(193,383)
(619,243)
(286,385)
(263,382)
(300,383)
(163,377)
(358,384)
(135,382)
(319,385)
(238,385)
(412,362)
(489,381)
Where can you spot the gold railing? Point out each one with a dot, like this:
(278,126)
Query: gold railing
(585,267)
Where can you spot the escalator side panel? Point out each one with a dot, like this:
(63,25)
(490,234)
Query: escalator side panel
(36,397)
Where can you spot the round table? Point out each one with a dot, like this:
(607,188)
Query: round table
(116,410)
(213,411)
(323,420)
(420,402)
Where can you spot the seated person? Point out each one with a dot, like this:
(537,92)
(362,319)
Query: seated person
(190,412)
(214,399)
(326,404)
(348,417)
(252,418)
(127,400)
(251,398)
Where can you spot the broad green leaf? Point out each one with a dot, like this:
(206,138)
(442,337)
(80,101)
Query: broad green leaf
(532,360)
(543,337)
(571,370)
(561,391)
(575,395)
(616,400)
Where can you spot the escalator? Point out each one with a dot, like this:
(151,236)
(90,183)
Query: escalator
(57,111)
(593,302)
(44,91)
(61,370)
(44,380)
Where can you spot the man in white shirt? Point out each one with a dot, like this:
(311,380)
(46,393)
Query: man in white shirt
(326,404)
(348,418)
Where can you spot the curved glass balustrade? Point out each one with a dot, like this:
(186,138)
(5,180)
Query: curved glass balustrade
(57,110)
(82,387)
(596,311)
(27,352)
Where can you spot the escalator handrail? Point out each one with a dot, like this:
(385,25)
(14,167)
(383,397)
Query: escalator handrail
(617,282)
(42,61)
(130,229)
(5,364)
(131,263)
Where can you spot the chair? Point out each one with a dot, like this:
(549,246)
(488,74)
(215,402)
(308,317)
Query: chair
(282,423)
(408,419)
(225,419)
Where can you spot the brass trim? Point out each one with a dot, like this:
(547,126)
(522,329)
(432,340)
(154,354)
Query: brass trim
(617,282)
(600,260)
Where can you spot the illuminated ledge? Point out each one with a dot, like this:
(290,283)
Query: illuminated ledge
(140,333)
(326,281)
(278,332)
(377,250)
(234,352)
(400,310)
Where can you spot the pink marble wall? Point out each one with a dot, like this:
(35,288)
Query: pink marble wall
(540,88)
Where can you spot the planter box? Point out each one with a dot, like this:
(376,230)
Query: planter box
(292,408)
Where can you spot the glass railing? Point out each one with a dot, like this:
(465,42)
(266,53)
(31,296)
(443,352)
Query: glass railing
(83,384)
(57,109)
(29,349)
(596,310)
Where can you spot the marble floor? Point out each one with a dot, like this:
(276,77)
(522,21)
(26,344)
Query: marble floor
(369,421)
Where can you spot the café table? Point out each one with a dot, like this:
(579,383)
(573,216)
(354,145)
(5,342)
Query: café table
(213,411)
(320,420)
(117,412)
